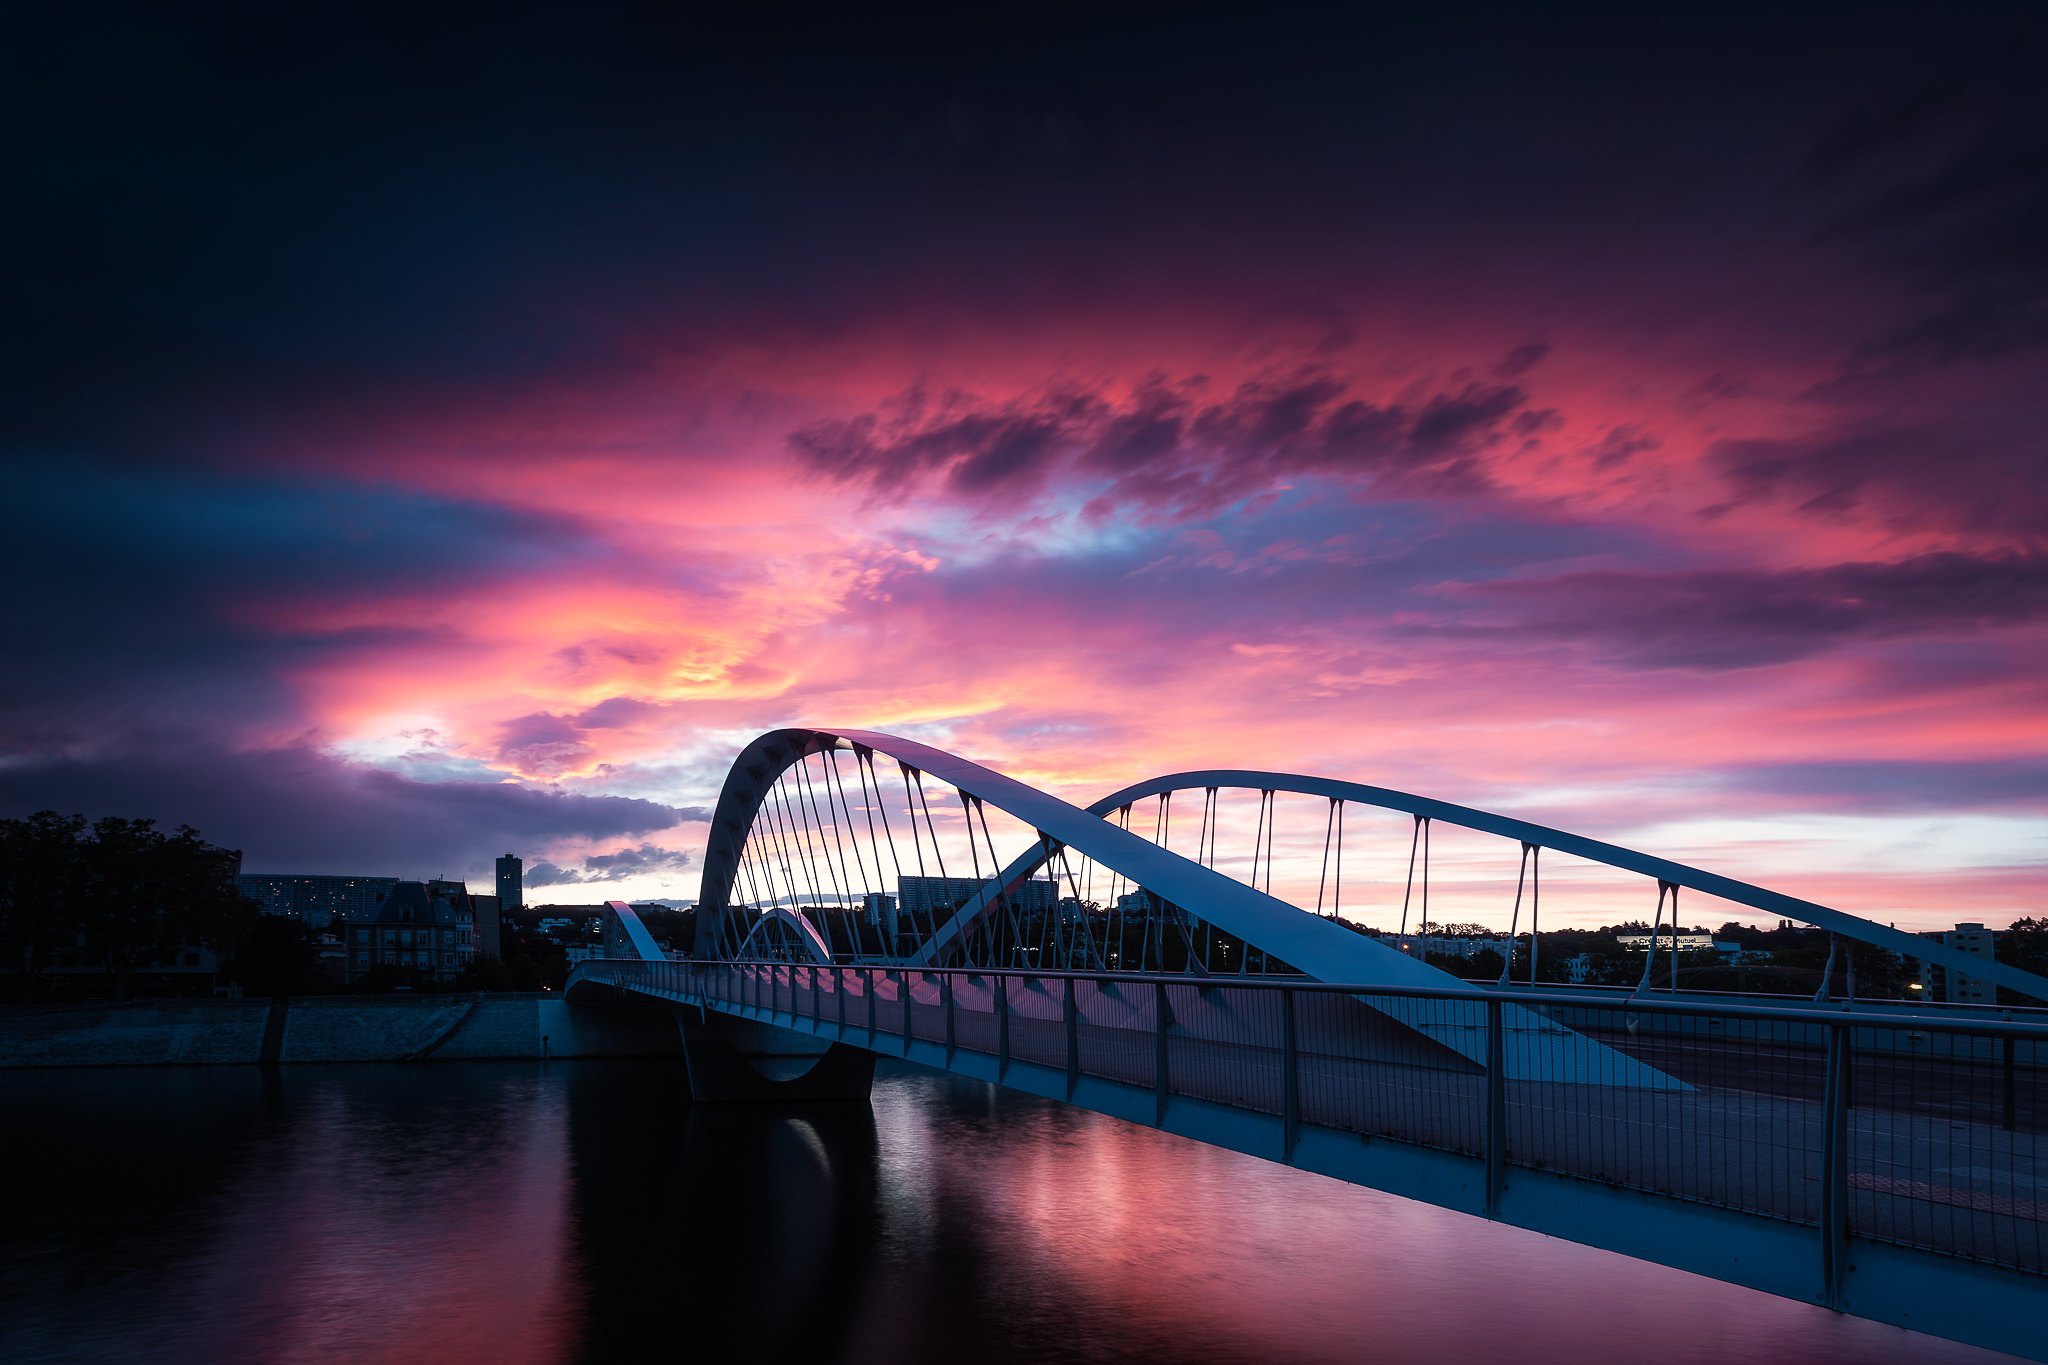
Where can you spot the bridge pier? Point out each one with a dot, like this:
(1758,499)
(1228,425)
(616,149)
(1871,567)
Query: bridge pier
(739,1060)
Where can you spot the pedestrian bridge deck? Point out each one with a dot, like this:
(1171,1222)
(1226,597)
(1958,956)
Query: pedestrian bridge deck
(1893,1168)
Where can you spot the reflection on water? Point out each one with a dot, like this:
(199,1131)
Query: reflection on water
(588,1212)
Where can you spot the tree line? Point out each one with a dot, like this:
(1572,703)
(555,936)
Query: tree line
(117,893)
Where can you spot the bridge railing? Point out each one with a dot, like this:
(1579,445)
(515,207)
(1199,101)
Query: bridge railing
(1925,1131)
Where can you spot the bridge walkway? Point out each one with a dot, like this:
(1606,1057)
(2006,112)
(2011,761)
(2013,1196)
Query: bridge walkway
(1833,1159)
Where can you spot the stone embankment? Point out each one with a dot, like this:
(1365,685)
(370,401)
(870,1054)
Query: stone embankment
(335,1028)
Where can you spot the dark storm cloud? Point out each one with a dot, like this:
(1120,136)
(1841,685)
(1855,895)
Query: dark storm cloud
(1463,422)
(298,809)
(220,227)
(1721,619)
(143,592)
(1521,360)
(980,450)
(1621,445)
(1880,127)
(1956,204)
(610,867)
(1167,450)
(1970,474)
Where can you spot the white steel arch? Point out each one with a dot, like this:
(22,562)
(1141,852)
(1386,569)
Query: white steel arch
(795,927)
(1663,870)
(1594,850)
(1318,948)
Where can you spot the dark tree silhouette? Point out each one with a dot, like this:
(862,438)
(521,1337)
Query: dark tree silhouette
(42,889)
(120,892)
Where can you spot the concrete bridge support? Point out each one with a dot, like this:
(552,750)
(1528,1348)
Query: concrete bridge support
(733,1059)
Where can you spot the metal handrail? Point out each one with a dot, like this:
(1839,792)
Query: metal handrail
(1810,1014)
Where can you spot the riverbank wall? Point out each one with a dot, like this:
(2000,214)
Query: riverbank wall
(334,1028)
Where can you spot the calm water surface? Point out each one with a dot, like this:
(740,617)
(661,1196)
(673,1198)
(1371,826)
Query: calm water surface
(585,1212)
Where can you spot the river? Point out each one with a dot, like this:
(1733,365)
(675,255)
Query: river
(585,1211)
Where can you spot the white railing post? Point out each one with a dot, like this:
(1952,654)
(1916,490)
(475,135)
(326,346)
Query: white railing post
(1160,1019)
(1834,1166)
(1496,1108)
(1290,1076)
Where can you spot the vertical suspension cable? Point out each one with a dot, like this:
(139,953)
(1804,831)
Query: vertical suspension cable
(1674,938)
(917,844)
(1063,945)
(998,936)
(835,799)
(1208,860)
(1113,931)
(1011,908)
(744,869)
(1323,875)
(743,872)
(769,848)
(786,843)
(1004,890)
(1656,922)
(786,828)
(784,858)
(1408,890)
(1136,894)
(1272,835)
(974,854)
(1050,951)
(1058,892)
(836,781)
(1535,906)
(807,807)
(1337,896)
(1082,931)
(765,849)
(1244,954)
(807,793)
(1048,922)
(1184,922)
(1425,888)
(1515,915)
(939,857)
(781,845)
(1149,902)
(1244,947)
(800,836)
(852,905)
(895,859)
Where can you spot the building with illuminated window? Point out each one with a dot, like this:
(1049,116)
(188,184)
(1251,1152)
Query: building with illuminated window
(511,882)
(315,901)
(427,929)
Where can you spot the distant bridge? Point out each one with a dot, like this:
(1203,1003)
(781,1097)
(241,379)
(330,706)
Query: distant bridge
(1883,1161)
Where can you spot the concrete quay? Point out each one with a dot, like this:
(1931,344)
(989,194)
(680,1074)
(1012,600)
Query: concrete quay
(332,1028)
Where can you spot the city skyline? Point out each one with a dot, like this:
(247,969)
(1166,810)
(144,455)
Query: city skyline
(1631,426)
(1124,683)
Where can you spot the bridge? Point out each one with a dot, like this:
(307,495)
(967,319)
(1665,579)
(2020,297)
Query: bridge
(1876,1158)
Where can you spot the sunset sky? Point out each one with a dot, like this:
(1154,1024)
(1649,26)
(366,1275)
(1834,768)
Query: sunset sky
(428,439)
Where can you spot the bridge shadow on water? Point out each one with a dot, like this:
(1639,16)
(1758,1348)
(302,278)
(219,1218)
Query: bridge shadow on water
(518,1212)
(715,1228)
